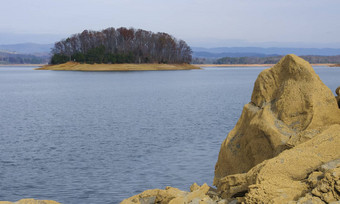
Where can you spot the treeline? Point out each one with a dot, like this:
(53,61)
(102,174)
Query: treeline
(10,58)
(273,60)
(121,45)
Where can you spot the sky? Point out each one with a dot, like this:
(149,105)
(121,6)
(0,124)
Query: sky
(201,23)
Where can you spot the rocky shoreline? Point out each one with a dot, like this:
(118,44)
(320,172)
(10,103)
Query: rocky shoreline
(285,148)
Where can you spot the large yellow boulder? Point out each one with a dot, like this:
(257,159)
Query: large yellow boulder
(289,105)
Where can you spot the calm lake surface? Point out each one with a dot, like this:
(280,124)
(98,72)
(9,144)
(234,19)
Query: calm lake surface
(100,137)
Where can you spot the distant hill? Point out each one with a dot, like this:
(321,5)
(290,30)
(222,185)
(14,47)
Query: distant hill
(7,57)
(218,52)
(27,48)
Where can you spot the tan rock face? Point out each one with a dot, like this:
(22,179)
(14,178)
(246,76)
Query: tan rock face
(287,141)
(289,106)
(283,178)
(30,201)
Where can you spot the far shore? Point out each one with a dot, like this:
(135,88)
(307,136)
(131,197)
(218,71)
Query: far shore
(74,66)
(248,65)
(135,67)
(22,65)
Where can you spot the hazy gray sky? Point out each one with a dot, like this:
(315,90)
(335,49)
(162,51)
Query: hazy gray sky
(199,22)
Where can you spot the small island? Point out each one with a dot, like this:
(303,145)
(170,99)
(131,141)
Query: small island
(120,49)
(76,66)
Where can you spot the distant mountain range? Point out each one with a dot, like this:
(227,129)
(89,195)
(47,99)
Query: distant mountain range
(7,57)
(25,53)
(199,52)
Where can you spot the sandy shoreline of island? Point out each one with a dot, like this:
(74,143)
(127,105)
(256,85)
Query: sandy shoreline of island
(73,66)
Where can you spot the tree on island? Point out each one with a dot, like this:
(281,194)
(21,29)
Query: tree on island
(121,45)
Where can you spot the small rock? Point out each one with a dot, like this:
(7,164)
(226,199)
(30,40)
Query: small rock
(148,200)
(330,165)
(194,187)
(195,201)
(223,202)
(314,178)
(309,199)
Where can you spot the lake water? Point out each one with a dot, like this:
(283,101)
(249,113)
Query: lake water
(100,137)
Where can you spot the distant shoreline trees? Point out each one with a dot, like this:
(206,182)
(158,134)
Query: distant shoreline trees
(271,60)
(13,58)
(121,45)
(313,59)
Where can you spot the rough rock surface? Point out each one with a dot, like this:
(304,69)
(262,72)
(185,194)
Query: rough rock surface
(199,194)
(326,186)
(285,148)
(283,177)
(30,201)
(290,128)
